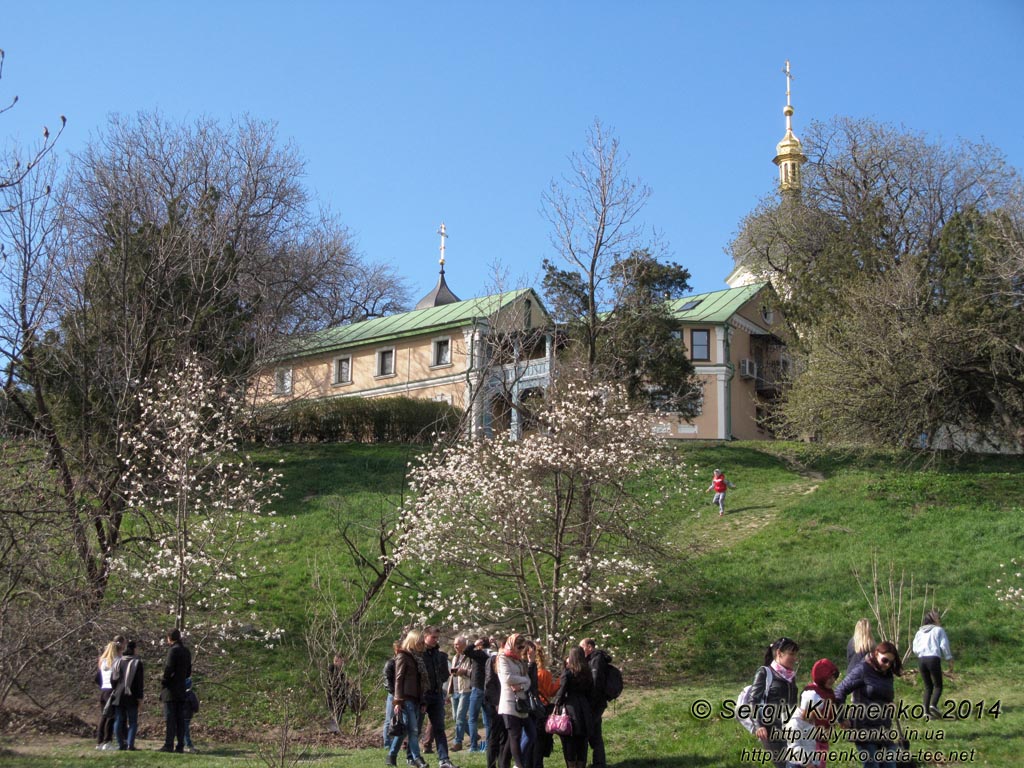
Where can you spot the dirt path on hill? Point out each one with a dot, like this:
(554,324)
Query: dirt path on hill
(745,520)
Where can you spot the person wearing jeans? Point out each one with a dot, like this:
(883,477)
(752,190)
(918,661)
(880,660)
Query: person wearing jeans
(128,691)
(478,655)
(436,662)
(460,687)
(408,695)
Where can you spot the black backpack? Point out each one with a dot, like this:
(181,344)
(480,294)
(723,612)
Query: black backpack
(492,684)
(388,675)
(612,682)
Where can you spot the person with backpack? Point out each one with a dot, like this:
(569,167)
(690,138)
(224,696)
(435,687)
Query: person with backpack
(128,678)
(576,695)
(774,695)
(599,662)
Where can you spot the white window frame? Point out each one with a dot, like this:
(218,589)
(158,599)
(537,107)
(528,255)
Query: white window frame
(283,381)
(335,379)
(380,358)
(433,352)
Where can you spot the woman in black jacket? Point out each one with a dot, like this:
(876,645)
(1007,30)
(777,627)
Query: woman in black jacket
(775,704)
(576,694)
(871,718)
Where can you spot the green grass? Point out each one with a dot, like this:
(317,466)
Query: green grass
(799,521)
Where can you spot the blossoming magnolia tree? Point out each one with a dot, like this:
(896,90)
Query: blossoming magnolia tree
(544,534)
(195,504)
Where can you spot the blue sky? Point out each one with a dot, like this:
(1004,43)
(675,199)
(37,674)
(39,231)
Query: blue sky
(412,113)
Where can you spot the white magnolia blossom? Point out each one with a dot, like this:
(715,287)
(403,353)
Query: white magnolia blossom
(547,531)
(194,507)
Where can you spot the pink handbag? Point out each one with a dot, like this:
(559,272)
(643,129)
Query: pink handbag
(559,723)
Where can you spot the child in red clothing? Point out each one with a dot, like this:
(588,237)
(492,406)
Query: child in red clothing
(719,485)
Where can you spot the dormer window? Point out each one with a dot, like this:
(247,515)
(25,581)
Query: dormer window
(690,305)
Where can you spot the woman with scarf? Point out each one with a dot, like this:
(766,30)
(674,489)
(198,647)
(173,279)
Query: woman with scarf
(411,681)
(872,716)
(776,699)
(576,694)
(813,719)
(513,707)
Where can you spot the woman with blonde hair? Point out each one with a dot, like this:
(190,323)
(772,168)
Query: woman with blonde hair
(105,668)
(411,682)
(861,644)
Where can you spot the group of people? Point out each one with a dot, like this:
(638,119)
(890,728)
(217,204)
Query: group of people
(121,676)
(868,686)
(503,682)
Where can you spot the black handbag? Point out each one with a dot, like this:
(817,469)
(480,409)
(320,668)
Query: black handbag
(537,708)
(522,706)
(396,726)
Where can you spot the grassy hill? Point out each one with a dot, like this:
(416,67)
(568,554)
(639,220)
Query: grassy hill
(800,523)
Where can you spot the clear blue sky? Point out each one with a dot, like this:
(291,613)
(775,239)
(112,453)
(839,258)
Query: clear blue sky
(410,113)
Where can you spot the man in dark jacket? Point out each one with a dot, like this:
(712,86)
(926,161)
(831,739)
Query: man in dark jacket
(479,657)
(497,735)
(128,677)
(173,693)
(438,672)
(599,661)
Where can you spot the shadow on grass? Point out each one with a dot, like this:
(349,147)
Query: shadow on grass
(752,508)
(675,761)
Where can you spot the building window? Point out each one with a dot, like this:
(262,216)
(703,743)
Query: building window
(700,345)
(442,352)
(386,362)
(283,381)
(343,370)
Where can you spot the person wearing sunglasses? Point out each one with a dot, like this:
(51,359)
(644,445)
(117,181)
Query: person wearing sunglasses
(777,698)
(871,725)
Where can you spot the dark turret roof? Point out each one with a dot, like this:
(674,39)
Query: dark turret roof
(438,297)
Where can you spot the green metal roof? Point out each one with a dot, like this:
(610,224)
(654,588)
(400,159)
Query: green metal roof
(714,307)
(419,321)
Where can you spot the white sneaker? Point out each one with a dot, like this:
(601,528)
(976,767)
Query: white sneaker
(108,746)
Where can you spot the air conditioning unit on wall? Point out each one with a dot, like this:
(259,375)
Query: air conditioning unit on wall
(748,369)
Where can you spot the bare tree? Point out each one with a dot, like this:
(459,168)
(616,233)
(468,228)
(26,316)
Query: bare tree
(166,240)
(612,297)
(17,168)
(593,213)
(349,616)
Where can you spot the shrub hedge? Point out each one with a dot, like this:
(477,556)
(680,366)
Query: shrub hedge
(355,420)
